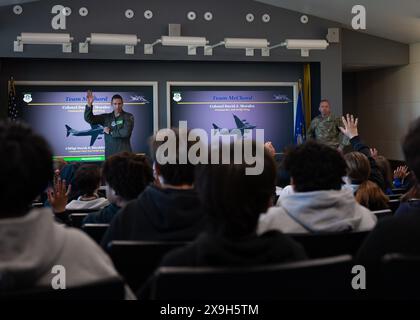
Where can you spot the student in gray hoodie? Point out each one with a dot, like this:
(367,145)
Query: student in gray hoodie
(319,204)
(31,242)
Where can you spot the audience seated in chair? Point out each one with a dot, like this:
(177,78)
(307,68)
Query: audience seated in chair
(58,165)
(403,179)
(395,182)
(67,173)
(32,243)
(87,181)
(126,175)
(401,233)
(283,177)
(319,203)
(164,212)
(410,202)
(234,202)
(366,192)
(386,171)
(351,131)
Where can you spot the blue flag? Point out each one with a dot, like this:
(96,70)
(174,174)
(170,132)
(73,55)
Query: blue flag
(300,128)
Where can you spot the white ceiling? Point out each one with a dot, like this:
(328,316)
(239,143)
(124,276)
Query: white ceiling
(397,20)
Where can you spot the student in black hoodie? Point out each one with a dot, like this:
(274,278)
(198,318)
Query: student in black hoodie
(234,202)
(126,176)
(169,210)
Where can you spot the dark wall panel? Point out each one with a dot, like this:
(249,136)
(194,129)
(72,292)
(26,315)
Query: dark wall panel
(83,70)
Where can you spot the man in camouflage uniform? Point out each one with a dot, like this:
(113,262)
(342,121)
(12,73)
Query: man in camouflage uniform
(325,128)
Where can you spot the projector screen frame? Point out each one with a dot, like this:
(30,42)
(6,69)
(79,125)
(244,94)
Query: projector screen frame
(153,84)
(169,84)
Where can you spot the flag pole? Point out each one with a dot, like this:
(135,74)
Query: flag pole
(11,89)
(301,96)
(12,109)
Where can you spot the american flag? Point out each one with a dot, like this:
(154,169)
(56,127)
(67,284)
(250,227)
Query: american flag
(14,112)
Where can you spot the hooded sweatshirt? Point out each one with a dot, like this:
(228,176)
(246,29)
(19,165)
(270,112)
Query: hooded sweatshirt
(104,216)
(98,203)
(158,215)
(318,211)
(31,245)
(211,250)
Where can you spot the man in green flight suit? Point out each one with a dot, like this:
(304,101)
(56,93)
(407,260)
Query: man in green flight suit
(325,128)
(118,124)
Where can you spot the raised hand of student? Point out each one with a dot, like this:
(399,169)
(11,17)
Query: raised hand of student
(58,196)
(374,153)
(350,126)
(270,148)
(401,173)
(90,98)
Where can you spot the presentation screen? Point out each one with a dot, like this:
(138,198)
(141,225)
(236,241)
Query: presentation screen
(227,106)
(56,112)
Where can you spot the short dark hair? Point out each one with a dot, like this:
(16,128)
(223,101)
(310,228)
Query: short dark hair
(26,167)
(87,179)
(174,174)
(232,199)
(117,96)
(315,166)
(411,149)
(128,174)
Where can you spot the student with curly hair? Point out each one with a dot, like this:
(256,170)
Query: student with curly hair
(87,181)
(126,175)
